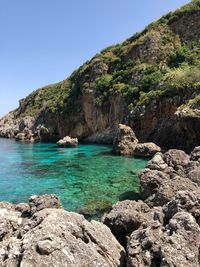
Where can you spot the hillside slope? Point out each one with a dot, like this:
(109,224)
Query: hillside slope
(150,82)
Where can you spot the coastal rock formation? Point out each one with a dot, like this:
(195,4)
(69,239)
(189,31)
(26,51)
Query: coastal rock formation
(176,244)
(164,228)
(146,150)
(67,141)
(127,216)
(150,82)
(188,201)
(37,203)
(161,230)
(125,141)
(49,236)
(195,154)
(157,188)
(166,174)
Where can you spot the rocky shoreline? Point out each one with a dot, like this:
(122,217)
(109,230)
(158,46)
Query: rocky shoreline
(161,229)
(149,82)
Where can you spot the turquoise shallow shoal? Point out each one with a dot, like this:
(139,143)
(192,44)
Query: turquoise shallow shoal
(87,178)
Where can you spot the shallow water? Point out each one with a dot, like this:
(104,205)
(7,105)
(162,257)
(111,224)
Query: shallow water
(88,178)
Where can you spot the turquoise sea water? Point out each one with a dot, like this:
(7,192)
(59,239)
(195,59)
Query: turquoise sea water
(87,178)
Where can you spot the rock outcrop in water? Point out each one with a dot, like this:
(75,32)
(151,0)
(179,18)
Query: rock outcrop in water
(150,82)
(67,141)
(126,144)
(125,141)
(43,234)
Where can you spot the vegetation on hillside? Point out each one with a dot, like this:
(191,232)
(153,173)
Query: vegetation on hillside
(152,64)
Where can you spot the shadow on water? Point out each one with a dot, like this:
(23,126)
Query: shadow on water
(130,195)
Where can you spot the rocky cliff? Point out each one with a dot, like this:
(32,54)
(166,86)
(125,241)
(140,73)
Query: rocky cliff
(150,82)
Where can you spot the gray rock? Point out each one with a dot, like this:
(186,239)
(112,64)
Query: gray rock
(176,244)
(146,150)
(158,188)
(188,201)
(195,154)
(38,203)
(157,163)
(194,175)
(176,158)
(67,141)
(125,141)
(55,237)
(128,216)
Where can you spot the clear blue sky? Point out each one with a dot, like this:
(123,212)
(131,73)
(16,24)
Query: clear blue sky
(43,41)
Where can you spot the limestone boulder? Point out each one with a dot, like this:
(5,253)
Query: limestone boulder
(125,141)
(195,154)
(188,201)
(67,141)
(50,236)
(158,188)
(146,150)
(128,215)
(176,244)
(176,158)
(38,203)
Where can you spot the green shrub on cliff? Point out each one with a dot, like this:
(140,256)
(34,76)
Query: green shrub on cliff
(186,54)
(159,62)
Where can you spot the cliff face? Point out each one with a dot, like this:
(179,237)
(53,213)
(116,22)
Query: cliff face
(150,82)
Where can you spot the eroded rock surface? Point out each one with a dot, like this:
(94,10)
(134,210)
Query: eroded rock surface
(176,244)
(125,141)
(127,216)
(51,236)
(168,173)
(67,141)
(164,230)
(146,149)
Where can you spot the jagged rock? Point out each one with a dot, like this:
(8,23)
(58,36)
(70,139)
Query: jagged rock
(146,149)
(127,216)
(55,237)
(188,201)
(177,244)
(194,175)
(176,158)
(65,239)
(23,208)
(158,163)
(20,136)
(163,231)
(125,141)
(38,203)
(67,141)
(195,154)
(158,188)
(26,137)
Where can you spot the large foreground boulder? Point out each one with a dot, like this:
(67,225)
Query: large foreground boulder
(125,141)
(67,141)
(54,237)
(168,173)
